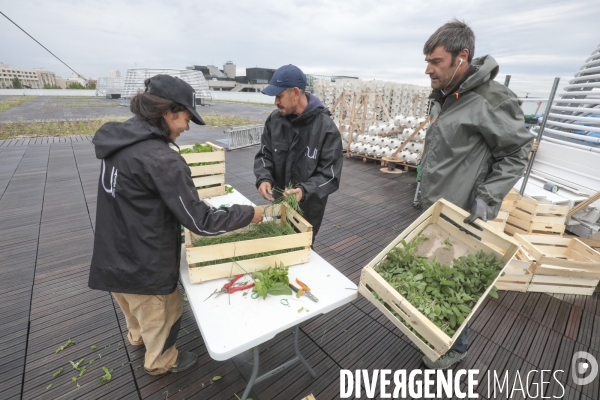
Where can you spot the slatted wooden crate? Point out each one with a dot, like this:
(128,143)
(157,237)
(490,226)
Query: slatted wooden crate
(510,201)
(215,254)
(212,175)
(563,265)
(500,221)
(518,273)
(532,217)
(594,244)
(440,222)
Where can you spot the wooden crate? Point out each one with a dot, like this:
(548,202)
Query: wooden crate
(518,273)
(207,175)
(563,265)
(509,203)
(444,218)
(533,217)
(500,221)
(594,244)
(214,253)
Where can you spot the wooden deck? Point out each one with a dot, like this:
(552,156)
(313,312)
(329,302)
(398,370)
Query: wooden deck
(47,215)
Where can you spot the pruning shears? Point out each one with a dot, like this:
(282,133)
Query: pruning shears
(305,290)
(230,287)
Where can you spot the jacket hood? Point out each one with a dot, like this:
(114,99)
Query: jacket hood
(114,136)
(313,108)
(487,69)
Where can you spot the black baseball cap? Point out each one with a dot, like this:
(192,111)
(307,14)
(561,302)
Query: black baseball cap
(288,76)
(177,90)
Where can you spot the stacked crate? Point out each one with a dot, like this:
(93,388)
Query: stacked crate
(518,273)
(532,217)
(562,265)
(209,177)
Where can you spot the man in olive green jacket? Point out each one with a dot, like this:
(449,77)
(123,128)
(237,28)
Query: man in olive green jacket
(477,146)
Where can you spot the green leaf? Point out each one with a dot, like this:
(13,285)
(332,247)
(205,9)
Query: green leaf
(300,309)
(452,320)
(76,365)
(49,386)
(456,312)
(215,378)
(64,346)
(58,372)
(280,288)
(93,347)
(106,377)
(464,308)
(493,292)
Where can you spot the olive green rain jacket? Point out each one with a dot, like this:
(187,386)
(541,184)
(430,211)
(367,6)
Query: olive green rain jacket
(477,145)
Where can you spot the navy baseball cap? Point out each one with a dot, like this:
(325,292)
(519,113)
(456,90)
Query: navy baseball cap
(177,90)
(288,76)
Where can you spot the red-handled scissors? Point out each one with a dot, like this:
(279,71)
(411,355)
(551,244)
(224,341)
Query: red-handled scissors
(230,288)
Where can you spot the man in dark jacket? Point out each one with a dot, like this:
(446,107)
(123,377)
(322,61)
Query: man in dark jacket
(477,146)
(300,146)
(145,192)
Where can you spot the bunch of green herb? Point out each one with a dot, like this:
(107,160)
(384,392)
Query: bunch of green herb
(291,201)
(273,281)
(444,294)
(263,230)
(198,148)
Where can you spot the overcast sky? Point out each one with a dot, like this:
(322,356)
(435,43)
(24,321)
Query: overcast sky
(533,41)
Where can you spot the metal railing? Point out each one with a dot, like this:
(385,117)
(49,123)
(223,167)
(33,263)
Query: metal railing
(243,136)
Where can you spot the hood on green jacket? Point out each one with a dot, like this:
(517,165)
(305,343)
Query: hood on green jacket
(487,69)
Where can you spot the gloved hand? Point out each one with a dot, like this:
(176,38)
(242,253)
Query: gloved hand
(478,210)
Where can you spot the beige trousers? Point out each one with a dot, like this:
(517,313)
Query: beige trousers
(153,321)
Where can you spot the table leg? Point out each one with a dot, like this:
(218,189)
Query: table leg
(253,376)
(299,357)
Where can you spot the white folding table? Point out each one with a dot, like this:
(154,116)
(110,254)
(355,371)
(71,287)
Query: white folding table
(232,324)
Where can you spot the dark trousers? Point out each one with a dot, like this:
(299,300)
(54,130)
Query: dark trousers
(462,344)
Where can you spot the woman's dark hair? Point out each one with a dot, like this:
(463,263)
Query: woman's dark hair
(151,108)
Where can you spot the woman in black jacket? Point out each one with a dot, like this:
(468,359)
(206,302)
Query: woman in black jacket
(145,192)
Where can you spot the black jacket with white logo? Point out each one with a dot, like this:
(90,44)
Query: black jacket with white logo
(305,151)
(144,193)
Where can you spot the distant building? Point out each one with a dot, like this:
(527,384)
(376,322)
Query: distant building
(255,79)
(110,87)
(115,73)
(259,75)
(215,72)
(135,77)
(229,69)
(65,82)
(201,68)
(45,77)
(29,78)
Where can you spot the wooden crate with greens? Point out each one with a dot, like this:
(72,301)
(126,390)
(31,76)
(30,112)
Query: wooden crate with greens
(433,277)
(285,237)
(207,164)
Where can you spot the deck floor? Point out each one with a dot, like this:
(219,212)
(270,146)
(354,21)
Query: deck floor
(47,215)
